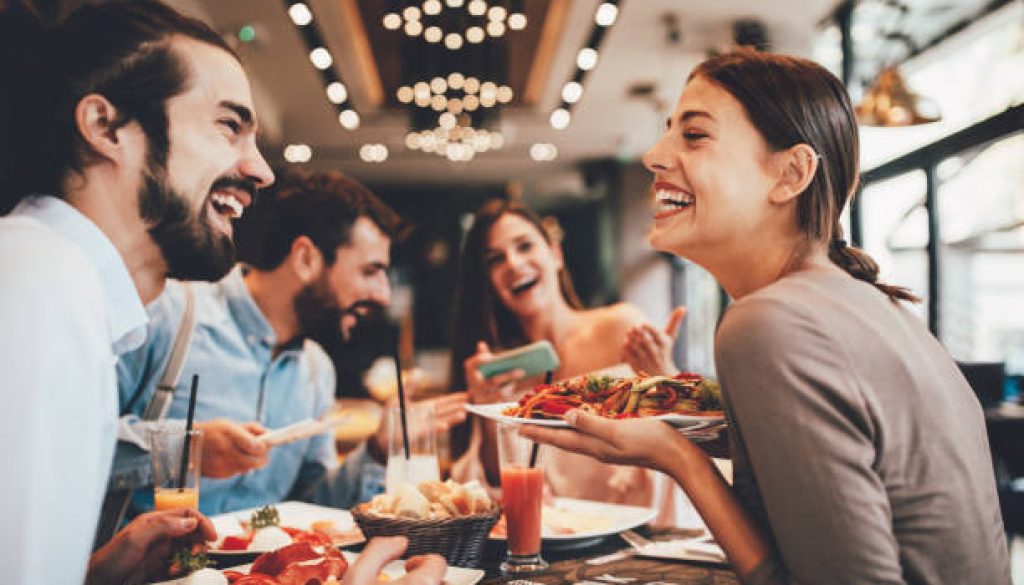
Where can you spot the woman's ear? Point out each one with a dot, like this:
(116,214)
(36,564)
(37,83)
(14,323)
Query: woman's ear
(799,165)
(305,260)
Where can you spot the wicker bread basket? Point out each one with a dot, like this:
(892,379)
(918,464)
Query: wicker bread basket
(460,539)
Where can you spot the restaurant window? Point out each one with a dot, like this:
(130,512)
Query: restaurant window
(895,232)
(981,227)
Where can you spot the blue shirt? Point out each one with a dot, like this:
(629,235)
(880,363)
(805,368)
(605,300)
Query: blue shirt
(240,379)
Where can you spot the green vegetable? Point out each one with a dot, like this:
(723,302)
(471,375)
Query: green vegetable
(189,559)
(710,395)
(264,517)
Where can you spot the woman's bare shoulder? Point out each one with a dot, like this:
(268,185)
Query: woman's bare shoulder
(615,320)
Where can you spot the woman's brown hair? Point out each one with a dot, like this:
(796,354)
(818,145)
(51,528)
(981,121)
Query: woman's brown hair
(795,101)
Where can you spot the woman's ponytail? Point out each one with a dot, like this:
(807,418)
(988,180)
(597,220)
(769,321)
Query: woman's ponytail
(861,266)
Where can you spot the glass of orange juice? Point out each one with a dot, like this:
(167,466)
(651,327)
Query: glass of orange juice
(522,489)
(176,485)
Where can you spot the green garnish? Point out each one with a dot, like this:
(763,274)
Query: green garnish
(189,559)
(711,395)
(596,384)
(264,517)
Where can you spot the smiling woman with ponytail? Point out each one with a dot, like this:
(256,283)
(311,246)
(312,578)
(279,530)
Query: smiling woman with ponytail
(859,450)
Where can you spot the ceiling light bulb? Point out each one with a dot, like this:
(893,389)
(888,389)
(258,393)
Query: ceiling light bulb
(543,151)
(300,14)
(586,59)
(412,141)
(392,21)
(439,102)
(438,85)
(455,105)
(505,94)
(487,100)
(422,101)
(405,94)
(472,85)
(572,92)
(475,34)
(517,21)
(453,3)
(470,103)
(432,7)
(413,28)
(433,34)
(321,58)
(411,13)
(495,28)
(453,41)
(560,118)
(606,14)
(336,92)
(446,120)
(298,153)
(488,87)
(349,119)
(455,80)
(497,13)
(477,7)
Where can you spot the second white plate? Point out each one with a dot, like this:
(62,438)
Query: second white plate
(494,412)
(588,519)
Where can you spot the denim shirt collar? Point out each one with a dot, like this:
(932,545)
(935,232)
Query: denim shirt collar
(247,314)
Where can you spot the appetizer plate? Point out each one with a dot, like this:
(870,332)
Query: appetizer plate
(688,422)
(569,520)
(293,515)
(392,571)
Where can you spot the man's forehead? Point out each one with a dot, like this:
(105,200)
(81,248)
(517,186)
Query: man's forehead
(214,74)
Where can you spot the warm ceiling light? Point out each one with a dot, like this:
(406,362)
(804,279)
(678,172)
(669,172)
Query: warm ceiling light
(504,94)
(300,14)
(413,28)
(453,3)
(470,103)
(321,58)
(455,105)
(543,152)
(497,13)
(517,21)
(475,34)
(455,80)
(446,120)
(488,100)
(298,153)
(477,7)
(422,101)
(411,13)
(606,14)
(453,41)
(349,119)
(374,153)
(471,85)
(433,34)
(392,21)
(438,85)
(336,92)
(405,94)
(495,28)
(560,118)
(488,88)
(439,102)
(572,92)
(412,141)
(586,59)
(432,7)
(889,102)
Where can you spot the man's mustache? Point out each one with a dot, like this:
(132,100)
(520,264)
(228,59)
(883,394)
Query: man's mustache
(365,310)
(241,183)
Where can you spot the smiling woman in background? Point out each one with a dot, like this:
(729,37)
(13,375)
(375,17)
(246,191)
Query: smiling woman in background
(859,450)
(514,289)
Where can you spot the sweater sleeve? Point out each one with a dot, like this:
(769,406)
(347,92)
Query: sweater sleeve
(811,443)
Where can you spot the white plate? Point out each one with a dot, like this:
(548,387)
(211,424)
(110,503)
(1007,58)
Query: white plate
(493,411)
(393,570)
(594,519)
(293,515)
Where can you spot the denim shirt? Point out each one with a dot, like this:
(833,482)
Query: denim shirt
(240,379)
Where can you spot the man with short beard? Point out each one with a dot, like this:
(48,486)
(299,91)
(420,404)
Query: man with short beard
(128,146)
(321,263)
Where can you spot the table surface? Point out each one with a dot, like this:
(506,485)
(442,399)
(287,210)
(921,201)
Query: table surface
(570,566)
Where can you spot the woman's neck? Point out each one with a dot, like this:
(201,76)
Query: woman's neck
(552,324)
(744,273)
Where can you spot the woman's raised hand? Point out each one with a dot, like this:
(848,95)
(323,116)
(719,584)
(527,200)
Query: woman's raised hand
(646,349)
(483,390)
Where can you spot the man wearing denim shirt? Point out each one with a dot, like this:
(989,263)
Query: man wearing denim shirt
(323,259)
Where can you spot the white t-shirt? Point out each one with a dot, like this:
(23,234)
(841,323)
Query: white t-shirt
(67,307)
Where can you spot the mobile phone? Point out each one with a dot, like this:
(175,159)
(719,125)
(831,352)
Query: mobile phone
(533,359)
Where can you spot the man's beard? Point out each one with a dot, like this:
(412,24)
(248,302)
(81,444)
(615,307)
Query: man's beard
(191,247)
(319,315)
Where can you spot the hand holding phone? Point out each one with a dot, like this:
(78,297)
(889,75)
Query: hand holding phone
(535,358)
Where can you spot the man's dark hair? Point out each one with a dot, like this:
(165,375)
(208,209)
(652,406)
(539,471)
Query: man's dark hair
(322,206)
(120,50)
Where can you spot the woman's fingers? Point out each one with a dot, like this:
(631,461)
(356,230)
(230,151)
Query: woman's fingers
(674,321)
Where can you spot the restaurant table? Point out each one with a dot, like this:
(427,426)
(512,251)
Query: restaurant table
(568,565)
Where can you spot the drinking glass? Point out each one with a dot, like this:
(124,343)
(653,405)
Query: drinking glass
(422,464)
(174,485)
(522,488)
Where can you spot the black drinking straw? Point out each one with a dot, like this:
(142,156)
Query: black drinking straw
(401,401)
(536,446)
(188,432)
